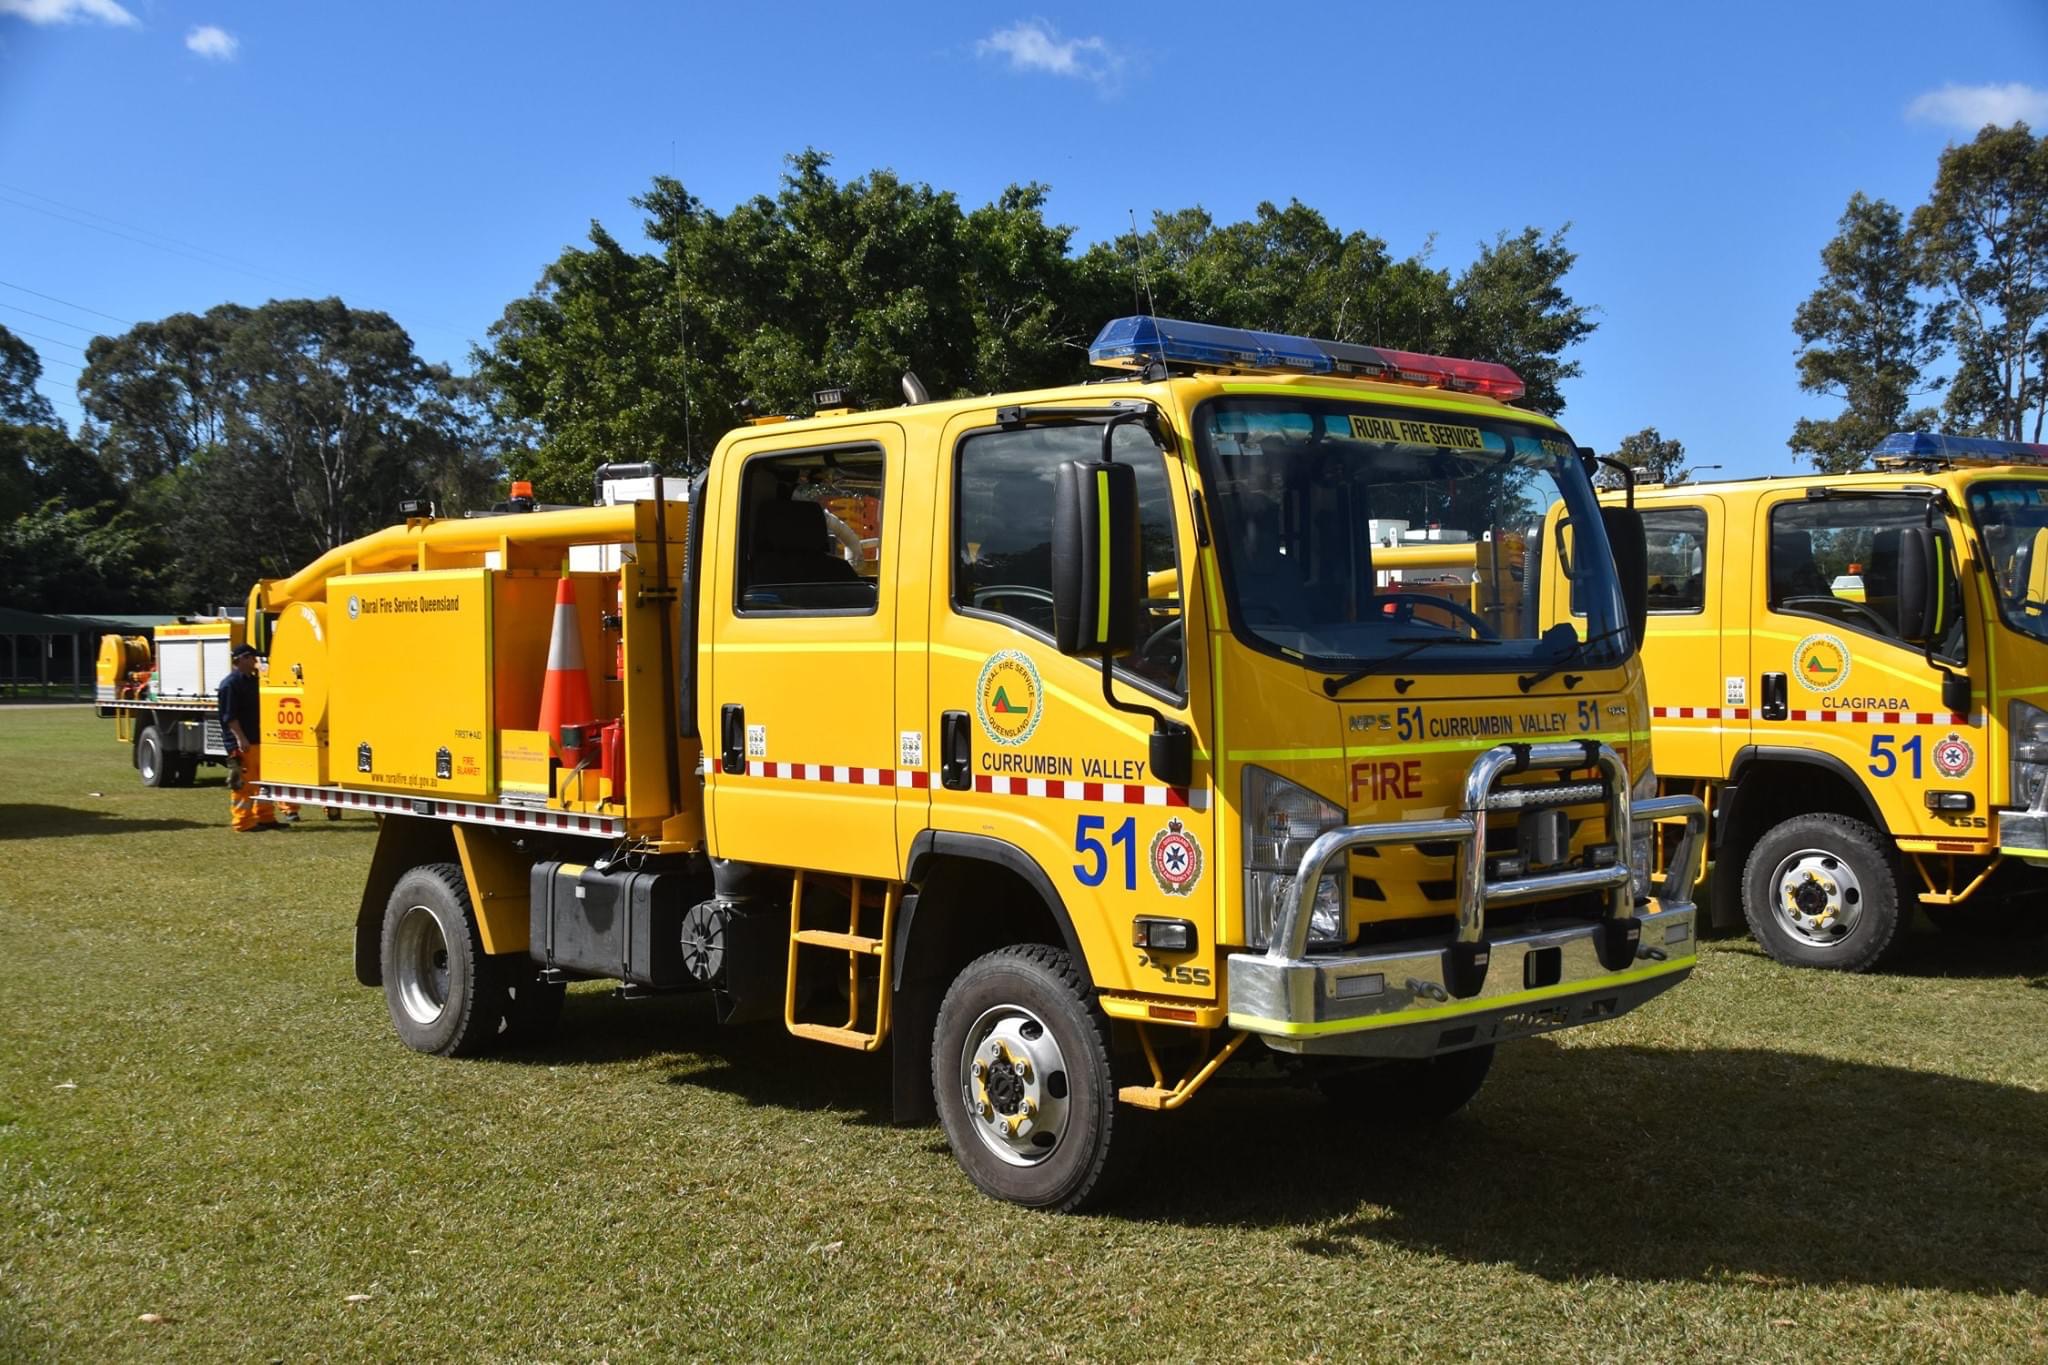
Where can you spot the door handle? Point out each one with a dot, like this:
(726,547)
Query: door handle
(956,752)
(1775,702)
(732,738)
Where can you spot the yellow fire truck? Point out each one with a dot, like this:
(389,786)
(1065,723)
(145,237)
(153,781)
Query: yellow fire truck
(1852,671)
(161,699)
(1062,740)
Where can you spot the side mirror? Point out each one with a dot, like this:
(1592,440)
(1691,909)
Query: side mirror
(1625,536)
(1919,584)
(1095,560)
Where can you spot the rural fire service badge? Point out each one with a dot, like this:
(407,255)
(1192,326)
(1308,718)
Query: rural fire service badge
(1954,756)
(1176,859)
(1821,663)
(1009,699)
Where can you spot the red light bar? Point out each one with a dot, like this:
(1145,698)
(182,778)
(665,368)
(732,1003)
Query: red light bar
(1482,377)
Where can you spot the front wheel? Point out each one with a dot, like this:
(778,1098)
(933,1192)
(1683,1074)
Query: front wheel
(1821,891)
(1021,1073)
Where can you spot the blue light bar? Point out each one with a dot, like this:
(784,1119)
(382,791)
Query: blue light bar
(1133,343)
(1933,445)
(1128,343)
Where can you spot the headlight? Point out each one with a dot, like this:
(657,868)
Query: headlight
(1281,819)
(2029,753)
(1642,833)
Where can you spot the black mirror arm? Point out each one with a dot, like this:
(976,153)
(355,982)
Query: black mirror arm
(1121,419)
(1163,726)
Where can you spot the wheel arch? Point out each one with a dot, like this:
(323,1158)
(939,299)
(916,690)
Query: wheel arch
(1013,901)
(403,843)
(1750,805)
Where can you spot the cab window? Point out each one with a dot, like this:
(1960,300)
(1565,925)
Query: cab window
(1002,537)
(1837,559)
(1677,540)
(810,541)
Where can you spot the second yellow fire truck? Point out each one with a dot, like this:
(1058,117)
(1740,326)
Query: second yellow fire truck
(1062,742)
(1852,671)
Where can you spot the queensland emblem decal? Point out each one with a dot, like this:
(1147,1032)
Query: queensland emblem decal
(1176,859)
(1009,698)
(1953,756)
(1821,663)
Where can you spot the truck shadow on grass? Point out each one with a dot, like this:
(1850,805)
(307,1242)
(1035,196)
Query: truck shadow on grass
(1932,955)
(34,821)
(1646,1165)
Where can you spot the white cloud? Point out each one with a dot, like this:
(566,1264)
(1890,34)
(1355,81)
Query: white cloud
(1970,107)
(1035,45)
(215,44)
(68,11)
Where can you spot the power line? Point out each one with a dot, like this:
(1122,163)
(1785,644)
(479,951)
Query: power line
(52,340)
(175,245)
(125,322)
(91,331)
(141,241)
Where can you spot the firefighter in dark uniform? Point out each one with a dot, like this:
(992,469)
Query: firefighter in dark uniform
(239,705)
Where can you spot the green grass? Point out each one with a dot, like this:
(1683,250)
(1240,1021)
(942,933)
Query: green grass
(203,1117)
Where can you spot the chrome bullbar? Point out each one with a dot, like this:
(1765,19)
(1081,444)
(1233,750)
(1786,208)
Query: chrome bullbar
(1420,998)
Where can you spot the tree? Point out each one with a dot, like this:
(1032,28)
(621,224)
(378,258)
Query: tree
(20,370)
(1868,339)
(1653,457)
(1982,239)
(256,438)
(158,392)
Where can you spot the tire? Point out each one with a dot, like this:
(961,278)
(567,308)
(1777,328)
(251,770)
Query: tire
(1020,1041)
(1426,1090)
(150,759)
(1823,891)
(446,995)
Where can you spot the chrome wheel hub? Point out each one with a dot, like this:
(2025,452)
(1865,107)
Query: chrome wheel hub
(1816,897)
(421,955)
(1014,1080)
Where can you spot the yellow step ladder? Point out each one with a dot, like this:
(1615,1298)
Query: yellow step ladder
(858,948)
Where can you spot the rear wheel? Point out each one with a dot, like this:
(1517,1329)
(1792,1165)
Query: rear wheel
(1423,1090)
(1021,1073)
(1821,891)
(445,994)
(150,759)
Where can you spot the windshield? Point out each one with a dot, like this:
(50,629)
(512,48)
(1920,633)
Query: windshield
(2012,521)
(1355,534)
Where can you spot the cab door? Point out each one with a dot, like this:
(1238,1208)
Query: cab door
(1833,671)
(802,618)
(1691,695)
(1027,756)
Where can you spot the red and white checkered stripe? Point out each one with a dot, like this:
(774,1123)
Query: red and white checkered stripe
(1111,793)
(519,817)
(1053,788)
(1824,717)
(827,772)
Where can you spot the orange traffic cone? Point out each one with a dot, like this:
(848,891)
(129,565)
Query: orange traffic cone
(565,694)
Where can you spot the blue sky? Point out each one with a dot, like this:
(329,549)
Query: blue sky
(429,158)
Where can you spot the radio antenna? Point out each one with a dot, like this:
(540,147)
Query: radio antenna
(1138,246)
(675,246)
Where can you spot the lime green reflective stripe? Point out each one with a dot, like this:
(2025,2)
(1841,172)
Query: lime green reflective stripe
(1317,1028)
(1102,568)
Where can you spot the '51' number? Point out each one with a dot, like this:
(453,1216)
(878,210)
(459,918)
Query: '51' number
(1096,868)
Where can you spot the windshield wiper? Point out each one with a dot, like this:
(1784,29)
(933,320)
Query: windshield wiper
(1333,685)
(1563,661)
